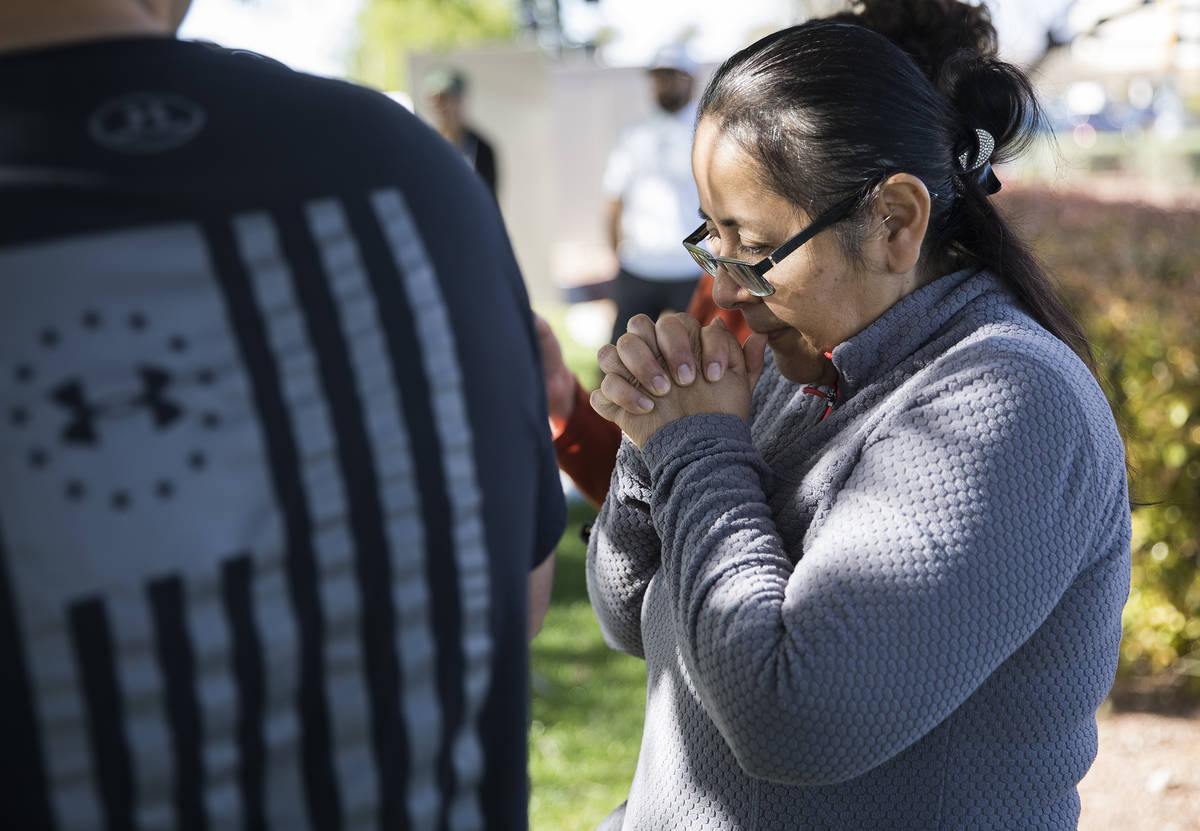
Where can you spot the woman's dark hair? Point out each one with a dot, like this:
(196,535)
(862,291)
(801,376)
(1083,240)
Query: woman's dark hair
(832,107)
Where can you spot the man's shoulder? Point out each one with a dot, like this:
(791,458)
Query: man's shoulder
(173,129)
(264,72)
(122,85)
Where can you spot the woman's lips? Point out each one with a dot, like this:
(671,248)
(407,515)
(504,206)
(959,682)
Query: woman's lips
(776,334)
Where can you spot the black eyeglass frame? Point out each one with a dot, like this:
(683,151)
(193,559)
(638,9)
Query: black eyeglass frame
(751,276)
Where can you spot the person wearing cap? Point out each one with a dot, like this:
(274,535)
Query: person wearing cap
(446,90)
(652,197)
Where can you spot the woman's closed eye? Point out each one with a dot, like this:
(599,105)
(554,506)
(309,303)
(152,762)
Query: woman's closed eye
(713,242)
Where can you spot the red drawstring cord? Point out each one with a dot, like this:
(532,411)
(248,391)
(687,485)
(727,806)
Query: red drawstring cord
(831,397)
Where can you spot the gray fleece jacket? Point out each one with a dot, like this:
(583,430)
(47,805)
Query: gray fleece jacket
(902,616)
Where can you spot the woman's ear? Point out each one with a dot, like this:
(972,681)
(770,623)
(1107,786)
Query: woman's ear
(903,208)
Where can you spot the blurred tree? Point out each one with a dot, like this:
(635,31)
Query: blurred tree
(390,29)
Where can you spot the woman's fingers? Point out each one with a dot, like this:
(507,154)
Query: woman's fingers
(639,357)
(655,354)
(649,356)
(606,409)
(718,349)
(723,387)
(625,395)
(755,352)
(679,344)
(610,361)
(619,385)
(642,326)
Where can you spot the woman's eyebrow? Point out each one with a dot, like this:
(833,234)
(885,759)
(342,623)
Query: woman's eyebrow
(728,223)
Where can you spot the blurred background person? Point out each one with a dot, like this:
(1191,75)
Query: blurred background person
(446,89)
(652,197)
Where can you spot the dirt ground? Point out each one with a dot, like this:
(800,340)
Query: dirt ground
(1146,776)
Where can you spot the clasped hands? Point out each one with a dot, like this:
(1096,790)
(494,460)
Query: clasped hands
(653,375)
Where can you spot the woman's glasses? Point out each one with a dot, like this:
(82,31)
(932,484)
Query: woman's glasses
(751,276)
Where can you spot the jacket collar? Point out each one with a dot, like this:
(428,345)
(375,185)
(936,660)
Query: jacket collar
(905,327)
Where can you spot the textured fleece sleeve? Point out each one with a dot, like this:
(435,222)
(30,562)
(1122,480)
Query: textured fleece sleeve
(623,553)
(961,525)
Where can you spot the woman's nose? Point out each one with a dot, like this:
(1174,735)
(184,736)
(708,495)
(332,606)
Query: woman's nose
(728,294)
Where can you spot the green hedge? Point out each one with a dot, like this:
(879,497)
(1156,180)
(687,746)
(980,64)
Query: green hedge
(1132,273)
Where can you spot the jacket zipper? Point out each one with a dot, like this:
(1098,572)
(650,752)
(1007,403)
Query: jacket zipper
(830,394)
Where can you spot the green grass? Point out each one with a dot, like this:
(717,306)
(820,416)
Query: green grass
(587,700)
(588,703)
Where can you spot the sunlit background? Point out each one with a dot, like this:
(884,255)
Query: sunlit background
(552,81)
(1110,200)
(323,37)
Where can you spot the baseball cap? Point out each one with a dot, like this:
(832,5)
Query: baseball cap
(673,56)
(444,82)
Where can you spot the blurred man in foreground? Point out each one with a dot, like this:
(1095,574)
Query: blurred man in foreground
(276,488)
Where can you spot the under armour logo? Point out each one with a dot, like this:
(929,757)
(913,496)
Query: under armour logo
(146,122)
(82,427)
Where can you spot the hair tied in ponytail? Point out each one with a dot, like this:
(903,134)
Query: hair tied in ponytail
(982,161)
